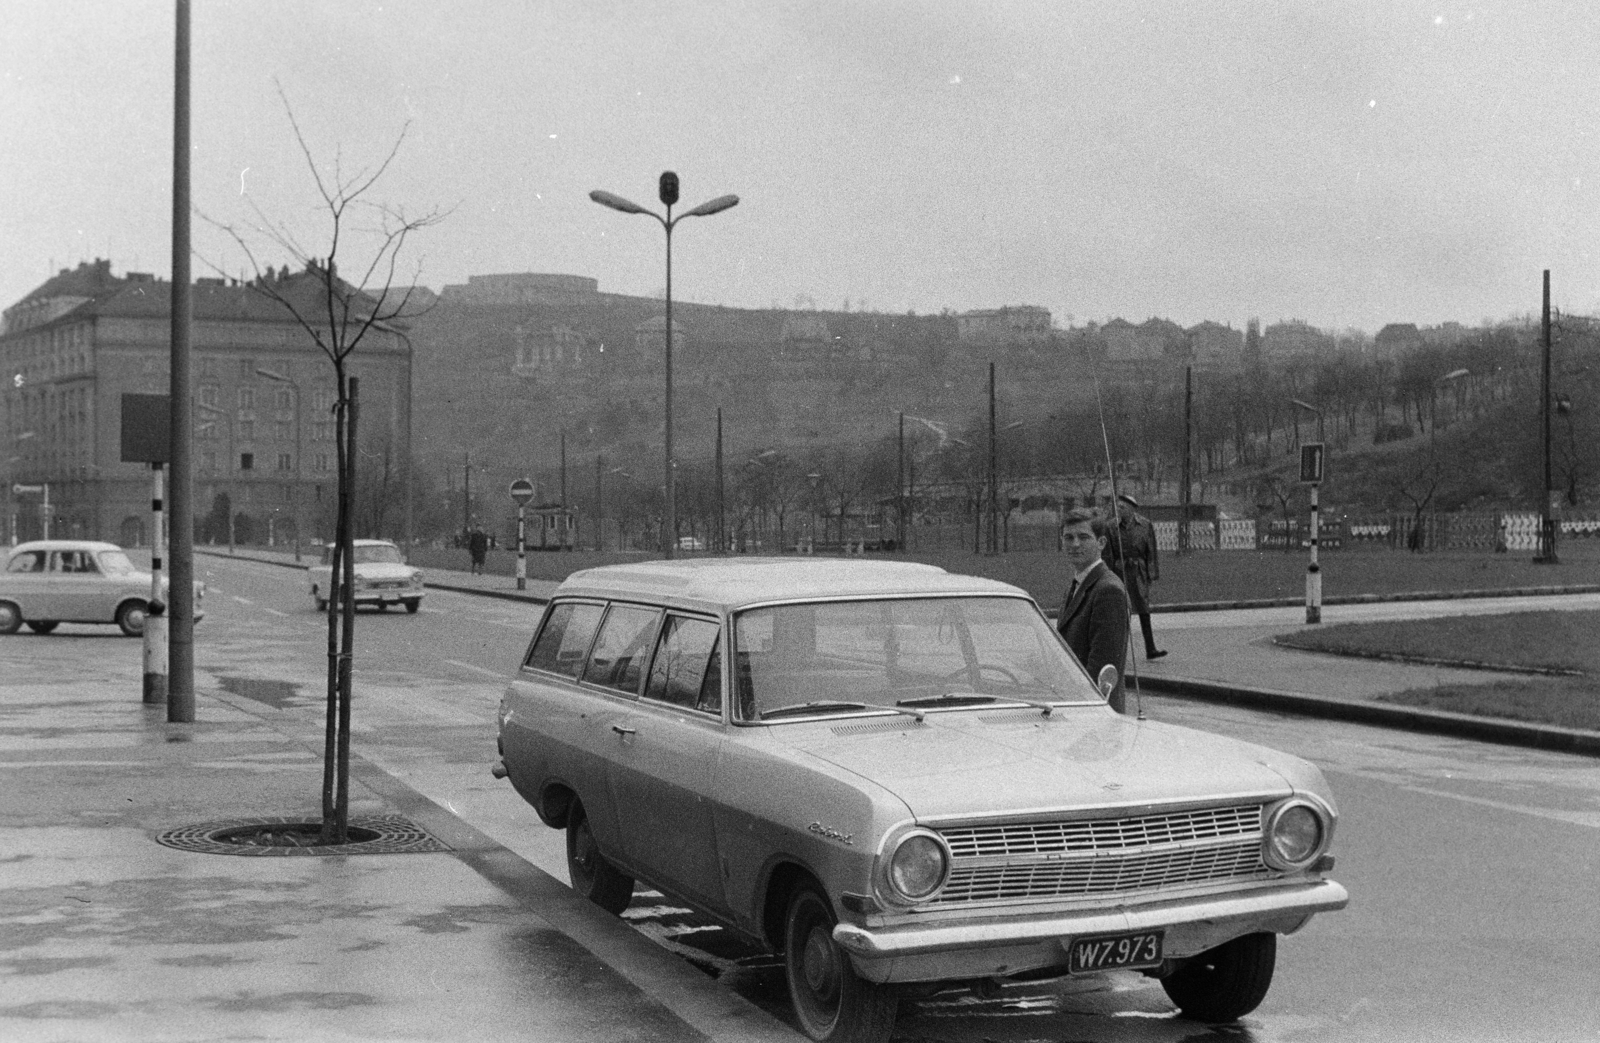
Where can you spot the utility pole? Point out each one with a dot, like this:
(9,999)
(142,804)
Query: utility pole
(722,535)
(599,503)
(1547,523)
(994,462)
(180,585)
(1188,451)
(900,490)
(466,494)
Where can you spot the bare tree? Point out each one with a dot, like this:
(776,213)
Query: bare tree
(339,315)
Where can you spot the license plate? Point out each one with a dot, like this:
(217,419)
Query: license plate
(1111,951)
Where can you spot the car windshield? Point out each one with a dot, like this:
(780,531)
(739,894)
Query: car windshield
(116,563)
(846,656)
(380,555)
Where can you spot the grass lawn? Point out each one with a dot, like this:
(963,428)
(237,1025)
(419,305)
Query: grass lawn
(1563,640)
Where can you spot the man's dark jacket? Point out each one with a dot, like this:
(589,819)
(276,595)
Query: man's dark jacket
(1131,552)
(1095,623)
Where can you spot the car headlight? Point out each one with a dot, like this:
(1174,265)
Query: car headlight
(918,866)
(1295,833)
(416,579)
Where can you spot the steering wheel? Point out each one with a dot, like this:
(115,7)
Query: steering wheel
(1013,679)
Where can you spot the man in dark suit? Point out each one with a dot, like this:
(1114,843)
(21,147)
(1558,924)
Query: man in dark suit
(1094,619)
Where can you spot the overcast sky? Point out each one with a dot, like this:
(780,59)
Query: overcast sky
(1347,163)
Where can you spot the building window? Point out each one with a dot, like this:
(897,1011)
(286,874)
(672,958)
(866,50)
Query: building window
(322,431)
(247,369)
(288,494)
(322,401)
(281,431)
(285,399)
(321,461)
(208,366)
(247,461)
(205,429)
(247,430)
(285,461)
(208,460)
(247,398)
(208,395)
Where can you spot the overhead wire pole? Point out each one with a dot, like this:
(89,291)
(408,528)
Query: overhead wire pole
(994,459)
(180,632)
(1547,523)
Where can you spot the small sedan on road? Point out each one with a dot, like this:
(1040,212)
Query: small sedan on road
(50,582)
(902,781)
(382,577)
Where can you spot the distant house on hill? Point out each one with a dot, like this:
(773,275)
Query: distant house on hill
(1397,338)
(1215,346)
(1020,323)
(1151,340)
(805,332)
(1294,339)
(523,288)
(650,335)
(550,348)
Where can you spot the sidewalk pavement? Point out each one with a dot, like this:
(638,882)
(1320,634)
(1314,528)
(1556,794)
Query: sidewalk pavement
(1225,653)
(108,934)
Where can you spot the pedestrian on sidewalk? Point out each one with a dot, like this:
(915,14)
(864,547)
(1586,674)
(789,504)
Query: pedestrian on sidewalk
(478,547)
(1132,555)
(1094,617)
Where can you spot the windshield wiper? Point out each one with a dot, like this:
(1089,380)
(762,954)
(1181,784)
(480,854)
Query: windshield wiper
(798,708)
(974,699)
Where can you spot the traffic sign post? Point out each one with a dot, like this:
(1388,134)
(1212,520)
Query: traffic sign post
(522,492)
(1312,461)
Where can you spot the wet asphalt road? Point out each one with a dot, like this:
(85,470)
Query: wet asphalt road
(1474,869)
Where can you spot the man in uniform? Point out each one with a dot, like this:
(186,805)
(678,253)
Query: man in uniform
(1094,618)
(1131,553)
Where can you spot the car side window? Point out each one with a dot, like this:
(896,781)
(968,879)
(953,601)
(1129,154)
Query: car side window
(617,660)
(28,561)
(564,641)
(71,562)
(687,668)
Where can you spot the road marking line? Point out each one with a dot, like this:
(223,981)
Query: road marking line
(475,668)
(243,601)
(277,613)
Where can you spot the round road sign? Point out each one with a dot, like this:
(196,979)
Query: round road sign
(522,491)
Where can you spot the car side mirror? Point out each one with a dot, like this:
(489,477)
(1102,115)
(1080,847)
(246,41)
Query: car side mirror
(1107,681)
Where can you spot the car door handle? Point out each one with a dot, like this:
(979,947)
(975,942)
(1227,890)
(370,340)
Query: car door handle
(620,730)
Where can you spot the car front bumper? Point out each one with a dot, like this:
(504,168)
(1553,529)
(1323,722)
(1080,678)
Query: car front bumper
(1007,945)
(388,595)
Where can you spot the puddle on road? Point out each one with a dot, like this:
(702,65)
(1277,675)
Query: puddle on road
(278,694)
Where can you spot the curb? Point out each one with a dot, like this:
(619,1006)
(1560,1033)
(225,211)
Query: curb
(505,595)
(1440,722)
(1374,599)
(1286,641)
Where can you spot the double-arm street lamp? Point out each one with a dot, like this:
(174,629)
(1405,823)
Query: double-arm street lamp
(669,196)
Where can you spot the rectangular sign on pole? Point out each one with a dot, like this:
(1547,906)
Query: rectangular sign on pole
(146,429)
(1311,463)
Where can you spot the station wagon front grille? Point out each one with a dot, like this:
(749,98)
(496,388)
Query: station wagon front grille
(1103,856)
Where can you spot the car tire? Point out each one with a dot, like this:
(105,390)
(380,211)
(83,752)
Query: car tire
(130,617)
(43,626)
(412,604)
(592,876)
(10,617)
(831,1002)
(1227,982)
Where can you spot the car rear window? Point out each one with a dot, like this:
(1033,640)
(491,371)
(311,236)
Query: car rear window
(564,641)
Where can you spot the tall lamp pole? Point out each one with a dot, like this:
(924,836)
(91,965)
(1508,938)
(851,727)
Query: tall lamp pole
(1547,523)
(669,195)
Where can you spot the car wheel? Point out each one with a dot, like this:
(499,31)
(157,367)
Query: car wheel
(1227,982)
(10,618)
(831,1001)
(130,617)
(383,606)
(412,604)
(592,876)
(43,626)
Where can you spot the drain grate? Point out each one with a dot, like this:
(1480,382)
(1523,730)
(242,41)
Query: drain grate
(380,835)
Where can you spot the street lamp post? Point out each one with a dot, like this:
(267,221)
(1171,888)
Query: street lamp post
(294,501)
(668,194)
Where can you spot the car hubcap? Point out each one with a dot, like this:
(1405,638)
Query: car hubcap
(8,616)
(818,963)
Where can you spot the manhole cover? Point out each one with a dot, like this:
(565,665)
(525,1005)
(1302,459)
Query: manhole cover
(382,835)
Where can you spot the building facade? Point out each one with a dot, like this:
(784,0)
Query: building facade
(263,394)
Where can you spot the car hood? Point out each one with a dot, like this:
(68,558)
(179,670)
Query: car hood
(975,764)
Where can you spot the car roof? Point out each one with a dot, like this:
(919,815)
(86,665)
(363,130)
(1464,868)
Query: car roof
(720,584)
(94,545)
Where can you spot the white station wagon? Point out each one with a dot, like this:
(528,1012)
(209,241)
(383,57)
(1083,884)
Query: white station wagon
(50,582)
(901,780)
(382,577)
